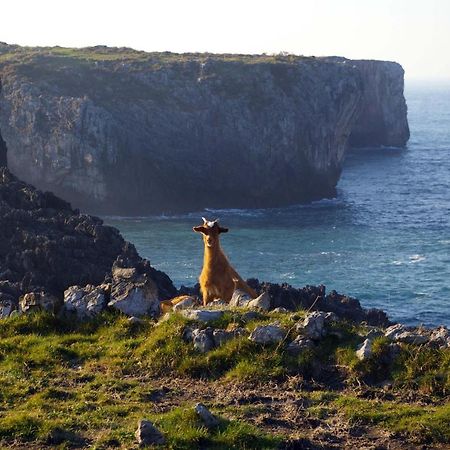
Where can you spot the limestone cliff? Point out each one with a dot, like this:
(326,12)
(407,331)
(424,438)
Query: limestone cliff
(121,131)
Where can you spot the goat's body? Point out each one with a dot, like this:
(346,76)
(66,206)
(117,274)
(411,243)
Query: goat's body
(218,279)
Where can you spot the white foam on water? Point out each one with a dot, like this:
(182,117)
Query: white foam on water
(416,258)
(397,263)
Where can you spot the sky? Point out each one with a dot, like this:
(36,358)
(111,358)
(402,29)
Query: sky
(415,33)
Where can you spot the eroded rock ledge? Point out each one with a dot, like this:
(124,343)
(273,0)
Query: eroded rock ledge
(120,131)
(46,246)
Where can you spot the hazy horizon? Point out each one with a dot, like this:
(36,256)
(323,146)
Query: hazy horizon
(405,31)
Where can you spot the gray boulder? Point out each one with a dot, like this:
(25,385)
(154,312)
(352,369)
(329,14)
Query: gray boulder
(85,302)
(410,337)
(260,302)
(147,434)
(313,326)
(203,339)
(299,344)
(440,337)
(239,298)
(187,302)
(267,334)
(135,297)
(208,419)
(202,315)
(364,350)
(38,301)
(394,330)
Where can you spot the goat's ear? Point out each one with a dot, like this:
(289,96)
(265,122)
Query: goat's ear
(199,229)
(223,230)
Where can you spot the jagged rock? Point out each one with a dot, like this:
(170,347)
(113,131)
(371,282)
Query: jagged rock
(187,302)
(299,344)
(58,247)
(260,302)
(136,298)
(86,302)
(412,338)
(394,331)
(147,434)
(383,96)
(364,350)
(240,298)
(373,333)
(124,273)
(267,334)
(202,315)
(313,326)
(314,297)
(203,339)
(440,337)
(38,301)
(208,419)
(81,119)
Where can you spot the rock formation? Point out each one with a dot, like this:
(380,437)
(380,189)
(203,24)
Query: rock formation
(382,120)
(46,246)
(121,131)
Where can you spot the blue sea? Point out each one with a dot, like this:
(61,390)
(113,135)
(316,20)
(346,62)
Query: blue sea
(385,239)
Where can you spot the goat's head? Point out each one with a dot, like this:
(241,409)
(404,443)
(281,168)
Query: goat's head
(210,230)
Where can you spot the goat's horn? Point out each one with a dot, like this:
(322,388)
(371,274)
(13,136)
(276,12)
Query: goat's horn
(204,220)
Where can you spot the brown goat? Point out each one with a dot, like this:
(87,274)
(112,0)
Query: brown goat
(217,279)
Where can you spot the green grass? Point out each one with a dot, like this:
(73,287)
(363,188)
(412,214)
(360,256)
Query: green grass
(63,381)
(102,53)
(430,424)
(91,382)
(426,370)
(186,431)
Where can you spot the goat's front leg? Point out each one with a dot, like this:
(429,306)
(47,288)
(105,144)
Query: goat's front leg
(208,297)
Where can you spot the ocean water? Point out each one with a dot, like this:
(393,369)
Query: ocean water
(385,239)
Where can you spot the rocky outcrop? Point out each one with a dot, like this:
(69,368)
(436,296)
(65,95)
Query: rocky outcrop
(382,120)
(46,246)
(121,131)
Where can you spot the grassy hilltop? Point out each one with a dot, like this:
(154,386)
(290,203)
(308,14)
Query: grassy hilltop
(69,384)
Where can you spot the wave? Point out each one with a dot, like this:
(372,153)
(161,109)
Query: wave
(416,258)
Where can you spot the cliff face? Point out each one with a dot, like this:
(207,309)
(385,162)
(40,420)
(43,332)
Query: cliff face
(119,131)
(382,120)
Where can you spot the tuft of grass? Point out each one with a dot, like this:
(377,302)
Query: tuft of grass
(426,370)
(185,431)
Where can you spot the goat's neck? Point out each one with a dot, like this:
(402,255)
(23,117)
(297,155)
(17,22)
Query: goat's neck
(213,255)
